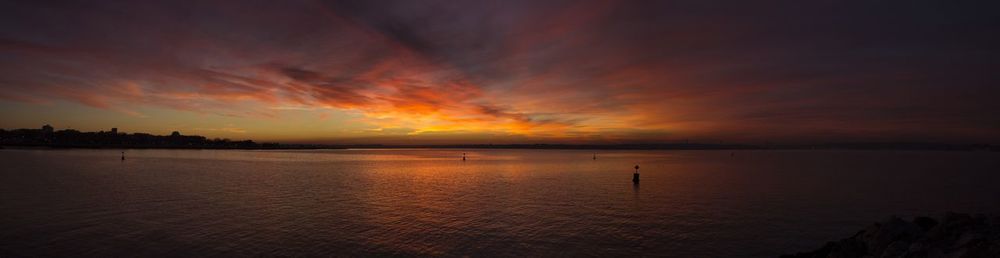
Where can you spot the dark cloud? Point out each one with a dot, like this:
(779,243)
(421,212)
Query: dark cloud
(300,74)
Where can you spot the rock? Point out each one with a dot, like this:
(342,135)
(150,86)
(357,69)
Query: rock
(954,235)
(925,223)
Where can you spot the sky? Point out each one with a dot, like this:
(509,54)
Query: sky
(481,72)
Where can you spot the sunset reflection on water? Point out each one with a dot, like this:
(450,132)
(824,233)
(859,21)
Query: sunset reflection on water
(497,202)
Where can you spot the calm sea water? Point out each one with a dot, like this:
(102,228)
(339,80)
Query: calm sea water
(498,203)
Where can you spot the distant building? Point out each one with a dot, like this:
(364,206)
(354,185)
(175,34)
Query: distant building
(175,134)
(47,129)
(114,130)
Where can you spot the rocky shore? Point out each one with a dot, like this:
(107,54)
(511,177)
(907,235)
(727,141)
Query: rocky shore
(954,235)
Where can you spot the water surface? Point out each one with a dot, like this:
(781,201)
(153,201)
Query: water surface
(498,203)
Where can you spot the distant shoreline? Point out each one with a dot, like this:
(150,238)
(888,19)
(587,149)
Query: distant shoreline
(47,137)
(732,147)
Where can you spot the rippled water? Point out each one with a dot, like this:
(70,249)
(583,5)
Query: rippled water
(498,203)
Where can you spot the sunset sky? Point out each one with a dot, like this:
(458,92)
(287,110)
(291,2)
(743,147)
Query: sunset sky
(420,72)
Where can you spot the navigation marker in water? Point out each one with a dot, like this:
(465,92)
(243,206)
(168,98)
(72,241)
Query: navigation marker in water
(123,155)
(463,156)
(635,176)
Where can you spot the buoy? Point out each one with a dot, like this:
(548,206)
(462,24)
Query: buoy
(635,176)
(595,156)
(463,156)
(123,155)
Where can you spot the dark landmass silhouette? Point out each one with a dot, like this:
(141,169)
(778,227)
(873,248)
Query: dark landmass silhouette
(48,137)
(69,138)
(954,235)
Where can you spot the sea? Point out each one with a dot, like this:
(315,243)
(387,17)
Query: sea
(496,202)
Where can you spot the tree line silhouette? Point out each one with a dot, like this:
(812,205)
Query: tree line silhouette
(48,137)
